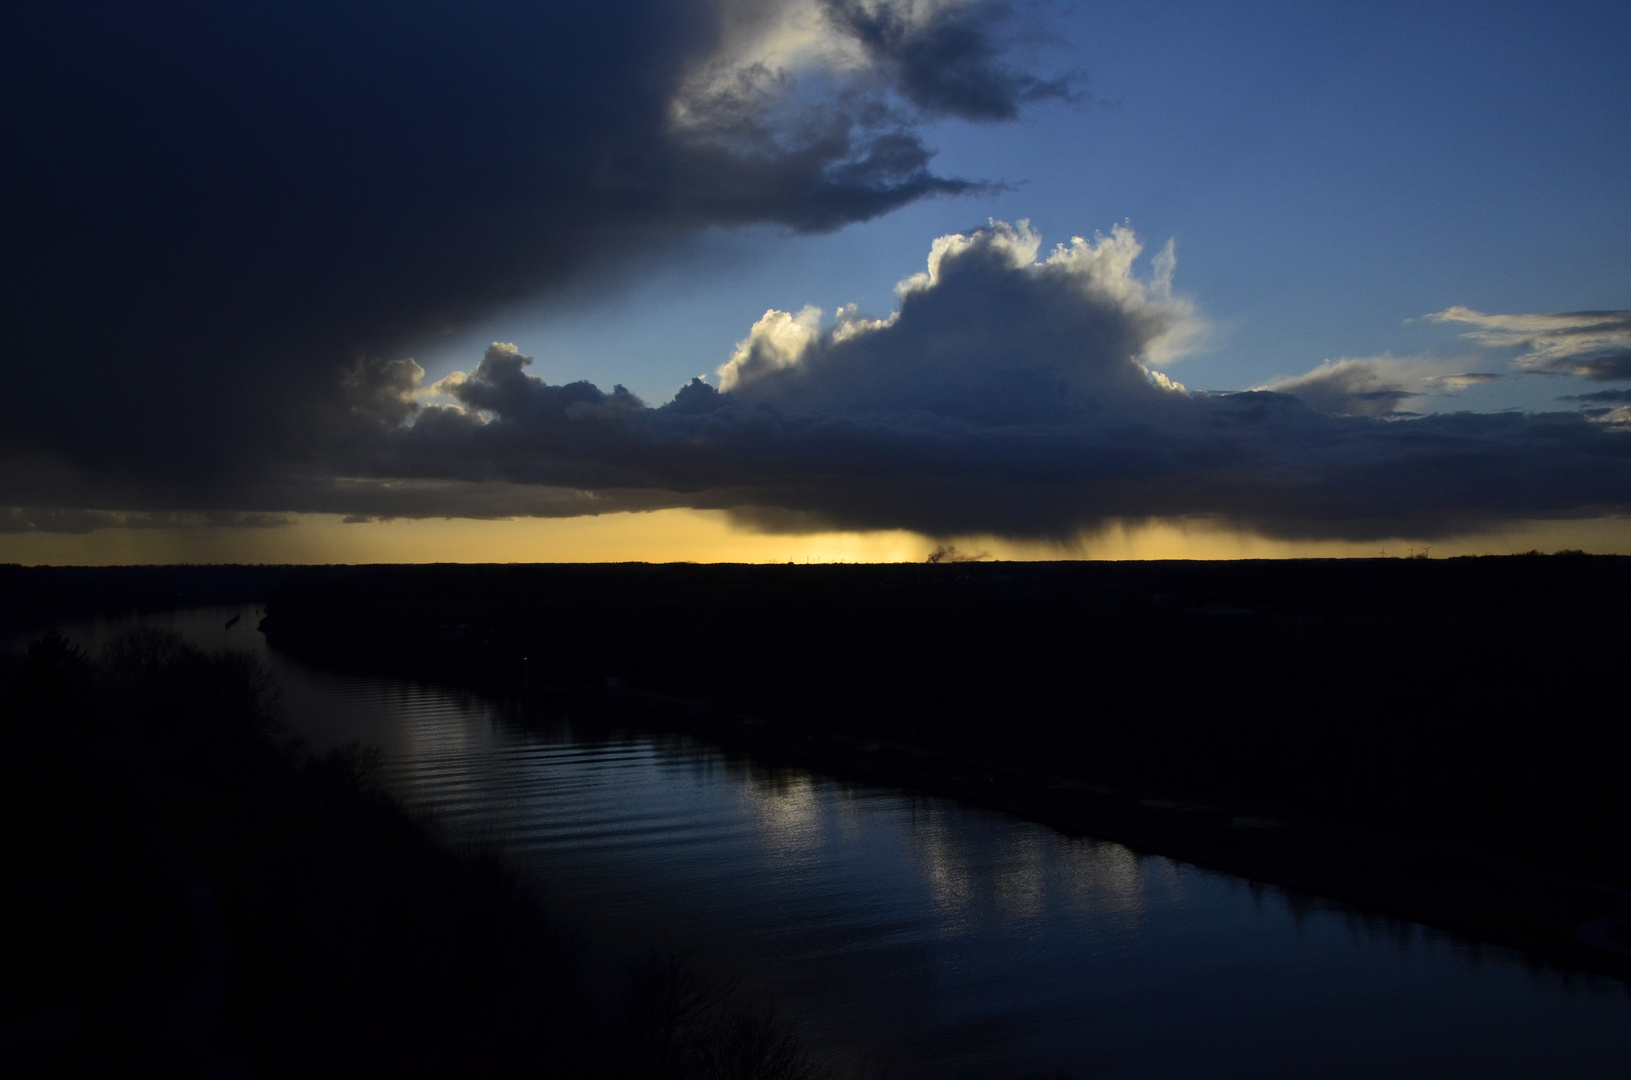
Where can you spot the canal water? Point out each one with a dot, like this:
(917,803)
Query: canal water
(908,936)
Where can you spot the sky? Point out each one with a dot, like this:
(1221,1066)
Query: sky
(813,280)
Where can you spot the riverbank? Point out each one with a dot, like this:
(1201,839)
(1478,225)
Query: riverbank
(190,893)
(1563,921)
(1477,793)
(1566,922)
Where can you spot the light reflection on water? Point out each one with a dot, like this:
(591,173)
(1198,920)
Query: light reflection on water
(945,940)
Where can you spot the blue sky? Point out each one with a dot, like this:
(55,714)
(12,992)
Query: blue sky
(1329,172)
(257,256)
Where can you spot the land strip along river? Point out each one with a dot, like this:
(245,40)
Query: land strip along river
(930,939)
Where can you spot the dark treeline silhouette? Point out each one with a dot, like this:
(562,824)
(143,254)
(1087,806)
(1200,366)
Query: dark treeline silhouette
(35,597)
(1465,703)
(189,893)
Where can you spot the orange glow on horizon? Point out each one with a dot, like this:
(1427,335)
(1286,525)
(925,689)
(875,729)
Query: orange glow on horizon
(711,536)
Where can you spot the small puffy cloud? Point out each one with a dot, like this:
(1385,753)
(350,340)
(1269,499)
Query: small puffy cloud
(1618,417)
(1609,407)
(1590,344)
(778,340)
(500,387)
(382,389)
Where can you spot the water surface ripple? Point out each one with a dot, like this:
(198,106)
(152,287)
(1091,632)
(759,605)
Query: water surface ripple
(936,939)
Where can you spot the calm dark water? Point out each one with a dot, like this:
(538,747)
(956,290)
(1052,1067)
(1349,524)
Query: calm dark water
(936,939)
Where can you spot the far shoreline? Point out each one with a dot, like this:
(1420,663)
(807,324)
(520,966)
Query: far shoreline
(764,660)
(1419,883)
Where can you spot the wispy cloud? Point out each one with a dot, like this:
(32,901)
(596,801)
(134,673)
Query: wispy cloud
(1350,387)
(1379,386)
(1590,344)
(1618,396)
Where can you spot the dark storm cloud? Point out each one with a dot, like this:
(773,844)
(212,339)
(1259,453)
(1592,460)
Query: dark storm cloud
(211,207)
(70,520)
(1008,395)
(225,225)
(1622,397)
(947,58)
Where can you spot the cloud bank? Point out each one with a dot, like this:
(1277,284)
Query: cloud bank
(1012,392)
(208,208)
(224,226)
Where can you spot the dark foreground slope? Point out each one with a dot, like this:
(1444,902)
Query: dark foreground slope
(33,598)
(188,893)
(1440,739)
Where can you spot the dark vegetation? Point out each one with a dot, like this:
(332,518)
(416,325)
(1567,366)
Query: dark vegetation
(1467,698)
(188,890)
(35,597)
(1471,705)
(189,893)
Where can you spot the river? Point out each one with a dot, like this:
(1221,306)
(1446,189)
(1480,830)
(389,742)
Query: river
(910,936)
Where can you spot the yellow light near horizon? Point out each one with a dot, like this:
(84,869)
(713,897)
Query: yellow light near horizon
(654,536)
(713,536)
(1208,539)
